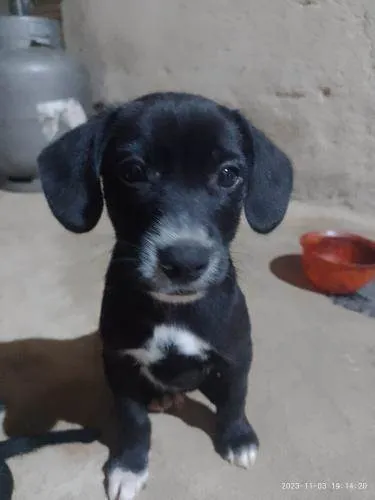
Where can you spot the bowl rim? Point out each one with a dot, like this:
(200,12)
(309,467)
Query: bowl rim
(331,234)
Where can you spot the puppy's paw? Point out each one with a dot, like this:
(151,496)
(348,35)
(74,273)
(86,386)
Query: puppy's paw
(243,457)
(238,444)
(123,484)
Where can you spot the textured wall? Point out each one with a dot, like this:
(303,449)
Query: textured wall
(303,70)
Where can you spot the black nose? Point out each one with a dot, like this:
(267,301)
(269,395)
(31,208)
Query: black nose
(184,261)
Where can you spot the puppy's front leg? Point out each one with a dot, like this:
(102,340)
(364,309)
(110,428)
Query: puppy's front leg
(127,468)
(235,438)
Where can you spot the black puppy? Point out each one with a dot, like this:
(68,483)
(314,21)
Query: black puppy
(174,170)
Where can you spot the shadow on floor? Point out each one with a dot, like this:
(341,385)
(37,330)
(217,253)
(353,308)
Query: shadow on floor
(288,268)
(44,381)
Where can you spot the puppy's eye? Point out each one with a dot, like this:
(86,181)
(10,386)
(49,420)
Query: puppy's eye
(134,173)
(228,176)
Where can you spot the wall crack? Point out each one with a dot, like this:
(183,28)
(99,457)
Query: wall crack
(368,29)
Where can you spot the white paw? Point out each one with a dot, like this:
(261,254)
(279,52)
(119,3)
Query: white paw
(243,457)
(124,484)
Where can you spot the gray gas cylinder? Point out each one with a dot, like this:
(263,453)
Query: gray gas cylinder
(44,92)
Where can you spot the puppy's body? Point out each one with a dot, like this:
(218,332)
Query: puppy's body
(175,348)
(175,170)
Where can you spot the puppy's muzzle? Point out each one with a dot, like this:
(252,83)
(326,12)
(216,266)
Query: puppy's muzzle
(184,262)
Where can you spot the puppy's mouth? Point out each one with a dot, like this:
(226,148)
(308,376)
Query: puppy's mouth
(178,296)
(185,293)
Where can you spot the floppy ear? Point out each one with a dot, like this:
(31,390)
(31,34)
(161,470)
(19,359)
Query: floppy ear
(70,174)
(270,179)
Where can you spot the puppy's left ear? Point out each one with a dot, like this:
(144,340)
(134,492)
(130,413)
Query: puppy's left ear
(270,179)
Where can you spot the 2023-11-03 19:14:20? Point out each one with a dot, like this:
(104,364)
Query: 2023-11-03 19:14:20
(325,485)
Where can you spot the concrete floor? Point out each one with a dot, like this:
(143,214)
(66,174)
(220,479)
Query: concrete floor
(311,395)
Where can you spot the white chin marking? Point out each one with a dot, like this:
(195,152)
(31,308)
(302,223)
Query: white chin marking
(177,299)
(243,457)
(124,484)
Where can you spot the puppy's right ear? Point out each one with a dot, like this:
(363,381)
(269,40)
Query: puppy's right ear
(70,175)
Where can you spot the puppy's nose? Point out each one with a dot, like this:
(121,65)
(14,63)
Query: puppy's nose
(184,261)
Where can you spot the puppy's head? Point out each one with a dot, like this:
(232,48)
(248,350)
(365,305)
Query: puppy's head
(174,171)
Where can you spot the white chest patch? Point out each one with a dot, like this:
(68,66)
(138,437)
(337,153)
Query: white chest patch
(165,337)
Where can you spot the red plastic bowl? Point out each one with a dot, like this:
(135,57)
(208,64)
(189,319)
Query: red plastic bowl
(338,263)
